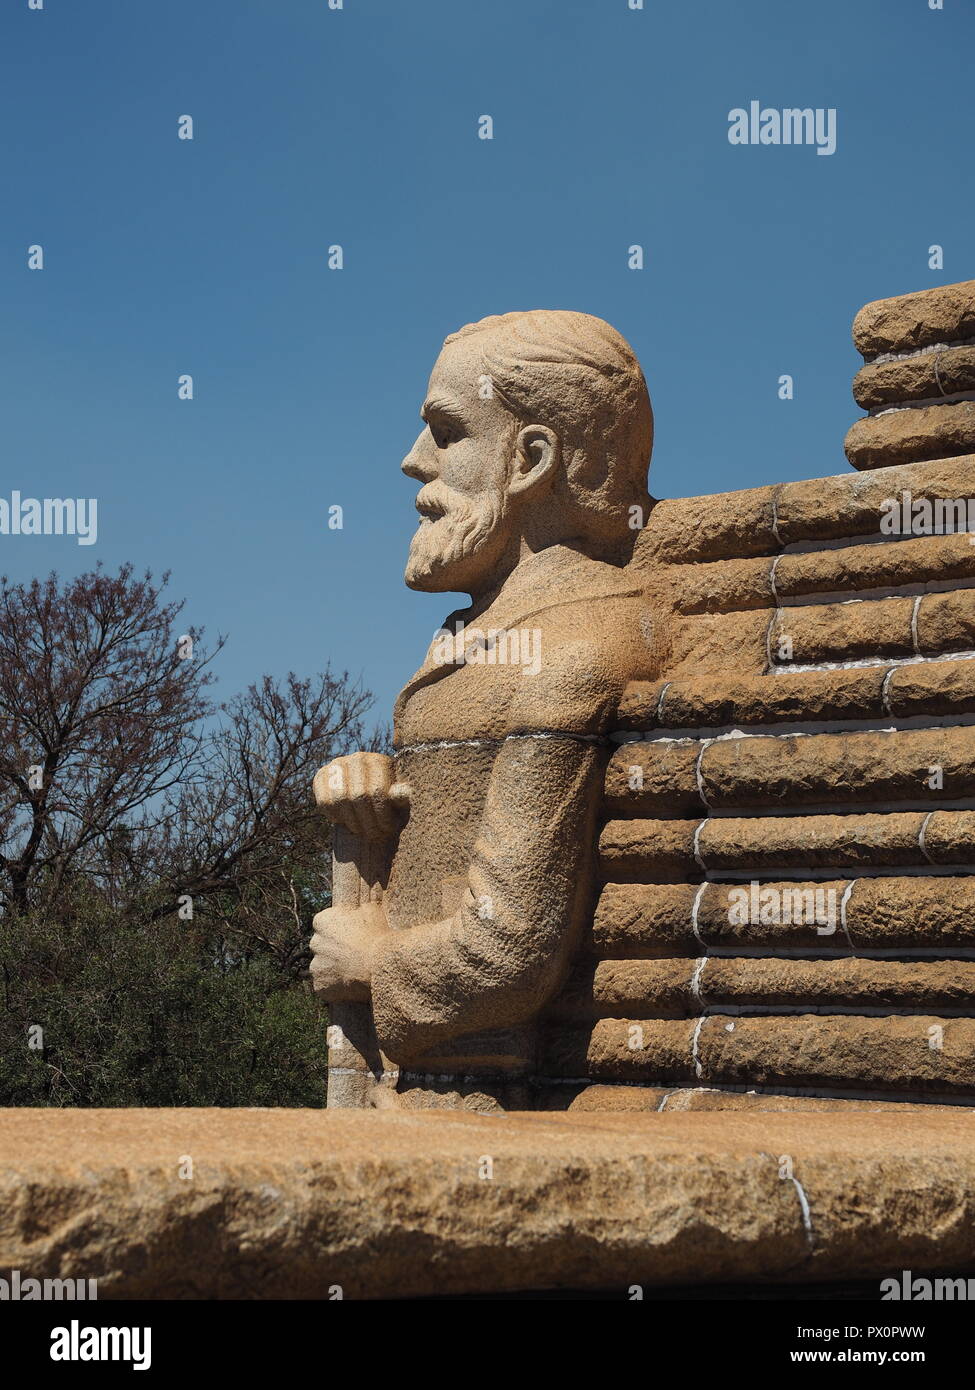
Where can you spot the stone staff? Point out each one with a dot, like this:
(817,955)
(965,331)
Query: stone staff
(363,844)
(360,868)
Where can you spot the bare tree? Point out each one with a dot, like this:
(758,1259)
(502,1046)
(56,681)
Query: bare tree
(98,718)
(245,840)
(116,770)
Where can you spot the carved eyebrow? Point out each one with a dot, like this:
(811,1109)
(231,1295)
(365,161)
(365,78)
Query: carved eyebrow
(441,408)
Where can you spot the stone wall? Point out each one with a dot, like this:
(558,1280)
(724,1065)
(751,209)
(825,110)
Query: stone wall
(811,742)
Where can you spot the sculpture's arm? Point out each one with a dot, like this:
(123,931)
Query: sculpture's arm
(497,960)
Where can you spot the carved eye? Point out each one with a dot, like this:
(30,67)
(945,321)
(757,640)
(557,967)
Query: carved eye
(444,434)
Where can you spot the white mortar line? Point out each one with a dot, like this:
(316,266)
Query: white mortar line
(699,858)
(885,691)
(848,890)
(796,668)
(812,729)
(437,745)
(878,593)
(808,728)
(923,403)
(914,617)
(881,357)
(921,834)
(772,620)
(699,775)
(696,981)
(775,519)
(694,911)
(824,543)
(804,1208)
(771,580)
(698,1070)
(660,702)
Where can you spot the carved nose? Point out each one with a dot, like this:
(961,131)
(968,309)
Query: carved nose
(419,463)
(418,468)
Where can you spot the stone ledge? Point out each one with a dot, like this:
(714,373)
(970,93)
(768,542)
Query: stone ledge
(288,1203)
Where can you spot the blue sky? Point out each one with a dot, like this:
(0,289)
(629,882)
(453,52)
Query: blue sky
(359,126)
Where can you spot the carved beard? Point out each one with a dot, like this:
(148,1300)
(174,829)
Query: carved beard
(441,550)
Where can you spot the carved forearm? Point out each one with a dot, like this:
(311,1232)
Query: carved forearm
(501,955)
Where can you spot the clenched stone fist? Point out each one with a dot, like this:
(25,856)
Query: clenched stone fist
(342,950)
(359,793)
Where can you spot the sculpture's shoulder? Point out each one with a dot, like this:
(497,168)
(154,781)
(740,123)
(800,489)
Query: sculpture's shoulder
(592,640)
(555,652)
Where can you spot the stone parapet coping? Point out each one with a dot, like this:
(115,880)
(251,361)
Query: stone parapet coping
(252,1203)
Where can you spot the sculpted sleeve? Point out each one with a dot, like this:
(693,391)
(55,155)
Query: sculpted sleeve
(500,956)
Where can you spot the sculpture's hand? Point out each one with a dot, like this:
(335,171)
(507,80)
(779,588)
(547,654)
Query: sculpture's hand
(360,793)
(343,946)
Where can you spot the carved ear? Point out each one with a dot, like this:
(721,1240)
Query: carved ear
(536,459)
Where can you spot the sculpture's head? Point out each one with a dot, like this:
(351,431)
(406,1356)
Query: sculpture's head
(538,430)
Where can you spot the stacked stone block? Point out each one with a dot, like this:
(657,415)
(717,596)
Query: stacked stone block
(811,742)
(918,378)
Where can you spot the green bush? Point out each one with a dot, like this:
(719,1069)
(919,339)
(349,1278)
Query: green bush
(134,1012)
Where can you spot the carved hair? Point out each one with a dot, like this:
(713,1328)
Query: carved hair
(576,374)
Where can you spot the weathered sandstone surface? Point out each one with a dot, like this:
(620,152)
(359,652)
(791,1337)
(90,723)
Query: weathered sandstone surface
(312,1204)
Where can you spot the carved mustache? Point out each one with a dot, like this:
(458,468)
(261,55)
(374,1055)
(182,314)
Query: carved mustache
(433,502)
